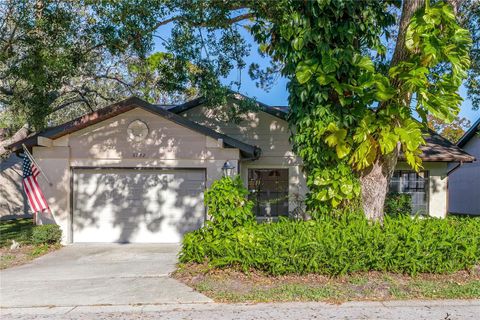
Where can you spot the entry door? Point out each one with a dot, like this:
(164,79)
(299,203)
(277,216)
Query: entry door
(144,206)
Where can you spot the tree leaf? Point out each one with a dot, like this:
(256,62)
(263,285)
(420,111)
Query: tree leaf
(342,150)
(367,64)
(329,64)
(305,70)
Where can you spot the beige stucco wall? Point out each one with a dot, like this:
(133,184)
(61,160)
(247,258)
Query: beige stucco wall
(106,144)
(54,162)
(266,131)
(13,203)
(438,186)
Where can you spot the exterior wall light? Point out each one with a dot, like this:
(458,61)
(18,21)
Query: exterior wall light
(227,169)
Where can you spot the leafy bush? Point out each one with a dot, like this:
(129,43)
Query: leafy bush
(335,246)
(398,204)
(228,205)
(46,234)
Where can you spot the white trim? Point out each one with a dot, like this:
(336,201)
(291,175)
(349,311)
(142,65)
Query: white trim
(44,142)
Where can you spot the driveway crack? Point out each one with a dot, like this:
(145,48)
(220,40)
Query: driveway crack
(75,307)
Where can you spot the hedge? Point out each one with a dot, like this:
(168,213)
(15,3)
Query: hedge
(46,234)
(336,246)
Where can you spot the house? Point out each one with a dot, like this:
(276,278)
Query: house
(464,179)
(135,172)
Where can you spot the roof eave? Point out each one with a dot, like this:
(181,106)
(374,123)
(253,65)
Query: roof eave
(80,122)
(199,101)
(247,150)
(450,158)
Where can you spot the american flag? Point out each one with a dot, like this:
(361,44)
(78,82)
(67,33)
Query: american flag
(32,189)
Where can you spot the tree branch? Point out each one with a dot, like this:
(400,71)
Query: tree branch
(64,105)
(408,10)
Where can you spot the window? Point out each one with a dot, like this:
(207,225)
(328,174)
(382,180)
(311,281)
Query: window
(415,184)
(269,189)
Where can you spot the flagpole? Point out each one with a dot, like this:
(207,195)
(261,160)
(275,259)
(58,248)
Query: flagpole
(35,163)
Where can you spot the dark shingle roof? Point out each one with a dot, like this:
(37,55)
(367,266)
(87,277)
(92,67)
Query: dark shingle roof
(439,149)
(277,111)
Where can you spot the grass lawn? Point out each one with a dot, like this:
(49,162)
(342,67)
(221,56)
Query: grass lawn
(234,286)
(19,230)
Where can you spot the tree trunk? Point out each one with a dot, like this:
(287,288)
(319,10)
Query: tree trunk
(376,179)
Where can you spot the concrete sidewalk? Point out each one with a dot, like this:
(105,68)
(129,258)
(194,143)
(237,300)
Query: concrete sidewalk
(405,310)
(111,274)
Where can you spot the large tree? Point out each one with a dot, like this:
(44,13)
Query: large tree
(353,102)
(61,59)
(369,119)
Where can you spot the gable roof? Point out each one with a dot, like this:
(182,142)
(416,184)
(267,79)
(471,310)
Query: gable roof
(469,134)
(277,111)
(127,105)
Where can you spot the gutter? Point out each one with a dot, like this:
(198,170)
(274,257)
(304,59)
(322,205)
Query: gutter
(455,168)
(257,152)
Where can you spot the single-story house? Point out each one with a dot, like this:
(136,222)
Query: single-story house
(136,172)
(464,179)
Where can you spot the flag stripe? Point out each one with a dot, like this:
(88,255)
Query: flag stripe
(30,195)
(33,193)
(40,197)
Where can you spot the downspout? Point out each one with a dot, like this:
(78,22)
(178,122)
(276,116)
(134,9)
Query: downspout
(448,182)
(455,168)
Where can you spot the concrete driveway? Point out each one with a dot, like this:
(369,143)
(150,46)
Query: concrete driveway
(83,275)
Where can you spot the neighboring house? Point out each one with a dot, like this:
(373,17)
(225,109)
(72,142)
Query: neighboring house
(464,180)
(135,172)
(13,204)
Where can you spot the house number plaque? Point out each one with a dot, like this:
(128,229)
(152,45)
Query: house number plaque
(138,155)
(137,130)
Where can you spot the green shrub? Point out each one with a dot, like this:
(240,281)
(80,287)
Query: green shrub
(335,246)
(46,234)
(228,205)
(398,204)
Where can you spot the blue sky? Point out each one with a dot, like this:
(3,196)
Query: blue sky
(278,95)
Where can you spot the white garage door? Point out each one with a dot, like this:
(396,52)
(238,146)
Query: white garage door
(128,205)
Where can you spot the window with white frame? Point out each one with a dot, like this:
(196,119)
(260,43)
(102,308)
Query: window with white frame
(415,184)
(269,190)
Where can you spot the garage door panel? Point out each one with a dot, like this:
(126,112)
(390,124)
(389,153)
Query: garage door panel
(137,206)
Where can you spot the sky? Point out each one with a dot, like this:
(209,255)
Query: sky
(278,95)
